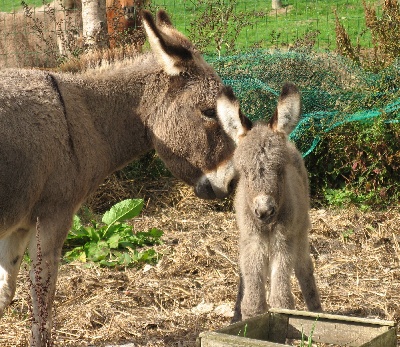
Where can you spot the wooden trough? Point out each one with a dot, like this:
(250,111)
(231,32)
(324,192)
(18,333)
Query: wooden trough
(275,327)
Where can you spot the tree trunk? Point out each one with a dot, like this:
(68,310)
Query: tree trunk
(94,23)
(276,4)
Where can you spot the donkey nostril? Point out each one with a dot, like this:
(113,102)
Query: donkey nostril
(264,213)
(271,211)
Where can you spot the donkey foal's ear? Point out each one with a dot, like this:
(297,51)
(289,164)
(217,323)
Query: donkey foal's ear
(166,43)
(288,110)
(228,110)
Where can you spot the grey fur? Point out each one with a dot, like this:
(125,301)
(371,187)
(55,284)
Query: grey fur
(62,134)
(272,203)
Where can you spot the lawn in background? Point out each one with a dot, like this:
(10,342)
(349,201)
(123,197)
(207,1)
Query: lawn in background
(268,29)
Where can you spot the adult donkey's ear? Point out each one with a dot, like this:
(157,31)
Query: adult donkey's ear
(165,25)
(288,110)
(170,47)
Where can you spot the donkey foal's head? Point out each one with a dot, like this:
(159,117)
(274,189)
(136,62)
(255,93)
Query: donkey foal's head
(263,154)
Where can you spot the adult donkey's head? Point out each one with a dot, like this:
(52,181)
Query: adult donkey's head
(198,123)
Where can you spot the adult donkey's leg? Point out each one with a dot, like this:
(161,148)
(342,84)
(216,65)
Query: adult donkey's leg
(304,271)
(45,251)
(12,249)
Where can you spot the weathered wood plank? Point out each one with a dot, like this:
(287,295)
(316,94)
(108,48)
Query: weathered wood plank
(273,328)
(213,339)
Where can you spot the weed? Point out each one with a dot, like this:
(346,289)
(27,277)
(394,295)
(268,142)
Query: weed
(113,242)
(244,331)
(39,289)
(346,234)
(38,28)
(217,25)
(385,33)
(310,335)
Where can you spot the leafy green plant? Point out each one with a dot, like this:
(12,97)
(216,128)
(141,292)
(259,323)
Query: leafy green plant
(309,338)
(346,234)
(113,242)
(345,196)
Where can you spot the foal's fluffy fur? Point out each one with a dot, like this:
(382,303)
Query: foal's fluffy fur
(272,204)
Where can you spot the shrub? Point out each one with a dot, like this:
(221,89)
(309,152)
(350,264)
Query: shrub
(357,163)
(385,33)
(217,25)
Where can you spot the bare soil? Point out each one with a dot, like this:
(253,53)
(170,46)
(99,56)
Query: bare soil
(193,287)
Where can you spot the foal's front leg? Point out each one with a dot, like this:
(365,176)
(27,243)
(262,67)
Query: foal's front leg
(281,268)
(253,265)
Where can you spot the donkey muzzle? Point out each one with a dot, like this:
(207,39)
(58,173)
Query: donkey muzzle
(204,189)
(218,183)
(264,208)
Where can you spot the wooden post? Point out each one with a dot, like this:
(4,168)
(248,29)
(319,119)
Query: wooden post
(276,4)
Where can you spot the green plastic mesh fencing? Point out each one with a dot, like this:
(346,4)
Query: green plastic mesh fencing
(334,90)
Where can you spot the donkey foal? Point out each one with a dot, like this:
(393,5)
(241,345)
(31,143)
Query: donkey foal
(272,206)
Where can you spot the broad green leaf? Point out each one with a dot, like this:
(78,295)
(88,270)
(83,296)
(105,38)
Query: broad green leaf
(147,255)
(76,254)
(76,223)
(125,259)
(126,244)
(110,230)
(97,251)
(113,241)
(94,234)
(122,211)
(157,233)
(108,263)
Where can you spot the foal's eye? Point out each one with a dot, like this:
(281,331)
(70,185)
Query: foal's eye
(210,113)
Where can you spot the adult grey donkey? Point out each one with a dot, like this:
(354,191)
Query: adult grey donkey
(62,134)
(272,211)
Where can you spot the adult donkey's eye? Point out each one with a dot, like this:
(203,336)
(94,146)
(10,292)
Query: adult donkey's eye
(210,113)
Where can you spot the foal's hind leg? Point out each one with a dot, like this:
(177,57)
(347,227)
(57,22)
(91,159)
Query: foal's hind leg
(304,271)
(12,249)
(237,316)
(45,251)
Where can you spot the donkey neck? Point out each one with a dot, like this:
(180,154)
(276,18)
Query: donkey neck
(111,106)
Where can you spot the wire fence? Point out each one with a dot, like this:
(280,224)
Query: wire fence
(297,20)
(248,24)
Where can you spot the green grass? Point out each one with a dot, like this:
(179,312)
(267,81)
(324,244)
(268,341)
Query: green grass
(268,28)
(14,5)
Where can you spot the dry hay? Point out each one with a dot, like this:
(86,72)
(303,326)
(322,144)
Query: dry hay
(193,287)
